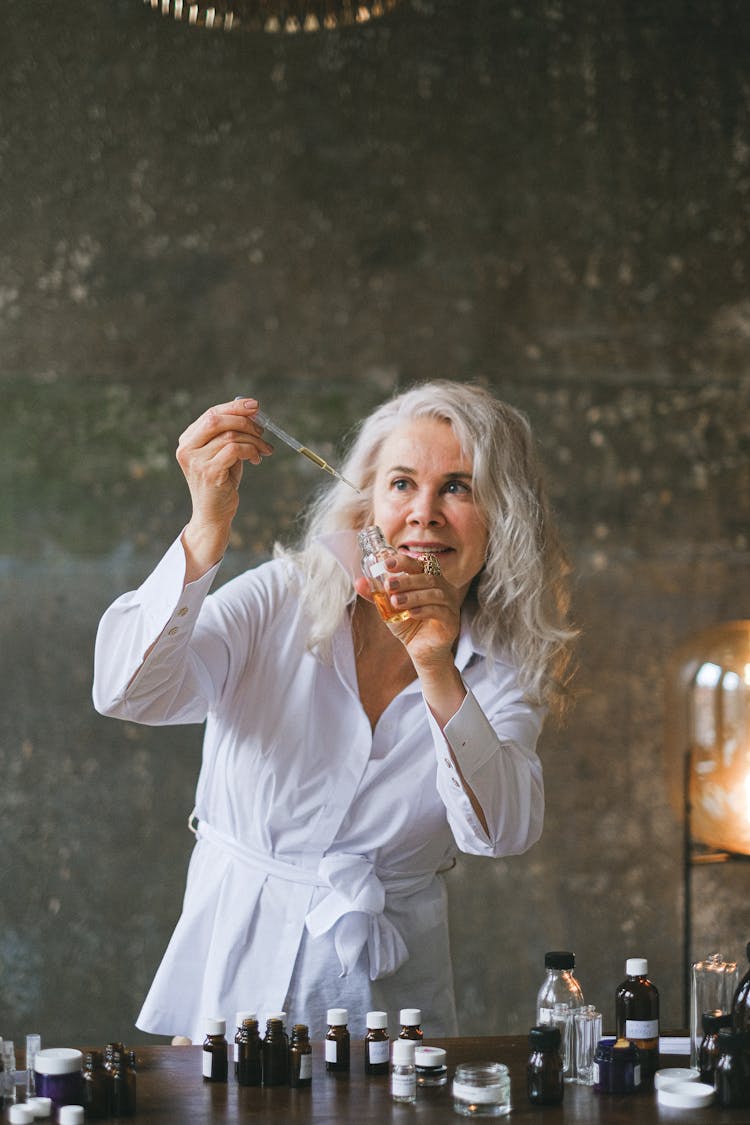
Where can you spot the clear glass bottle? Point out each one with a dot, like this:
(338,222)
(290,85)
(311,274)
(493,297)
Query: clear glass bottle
(300,1056)
(96,1086)
(377,1044)
(215,1051)
(375,552)
(559,986)
(275,1053)
(249,1061)
(337,1042)
(544,1070)
(637,1015)
(411,1024)
(403,1071)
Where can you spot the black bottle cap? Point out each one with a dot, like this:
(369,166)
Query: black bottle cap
(559,959)
(544,1035)
(716,1019)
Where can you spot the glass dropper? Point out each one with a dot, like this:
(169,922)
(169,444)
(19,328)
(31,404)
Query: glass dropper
(267,424)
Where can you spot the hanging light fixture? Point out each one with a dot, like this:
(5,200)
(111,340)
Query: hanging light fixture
(275,16)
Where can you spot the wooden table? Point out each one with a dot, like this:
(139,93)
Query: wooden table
(171,1091)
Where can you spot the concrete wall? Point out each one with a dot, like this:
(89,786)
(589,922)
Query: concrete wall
(552,198)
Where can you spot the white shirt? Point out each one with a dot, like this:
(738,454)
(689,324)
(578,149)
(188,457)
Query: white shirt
(316,831)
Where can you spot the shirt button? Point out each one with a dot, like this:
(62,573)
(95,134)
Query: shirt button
(182,611)
(171,632)
(456,783)
(448,763)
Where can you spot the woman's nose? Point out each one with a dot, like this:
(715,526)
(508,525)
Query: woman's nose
(426,510)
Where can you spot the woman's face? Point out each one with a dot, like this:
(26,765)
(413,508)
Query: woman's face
(423,499)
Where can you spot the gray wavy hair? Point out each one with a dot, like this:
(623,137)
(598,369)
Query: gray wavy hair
(520,598)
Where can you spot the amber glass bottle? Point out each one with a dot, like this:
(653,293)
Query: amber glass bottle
(337,1042)
(545,1083)
(122,1102)
(377,1044)
(215,1051)
(741,1001)
(300,1056)
(411,1024)
(249,1051)
(274,1054)
(637,1015)
(95,1086)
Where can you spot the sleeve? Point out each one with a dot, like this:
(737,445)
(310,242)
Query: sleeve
(176,682)
(494,743)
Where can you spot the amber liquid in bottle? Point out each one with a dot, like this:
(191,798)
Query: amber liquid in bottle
(637,1016)
(337,1041)
(375,551)
(300,1057)
(249,1064)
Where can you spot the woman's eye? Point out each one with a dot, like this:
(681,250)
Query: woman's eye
(400,485)
(457,486)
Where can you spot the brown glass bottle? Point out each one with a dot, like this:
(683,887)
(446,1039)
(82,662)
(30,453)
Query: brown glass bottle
(377,1044)
(241,1017)
(337,1041)
(274,1054)
(741,1001)
(249,1054)
(95,1086)
(215,1051)
(708,1052)
(545,1083)
(732,1073)
(411,1024)
(109,1053)
(123,1084)
(637,1015)
(300,1057)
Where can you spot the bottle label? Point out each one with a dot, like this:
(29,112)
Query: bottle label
(404,1085)
(377,568)
(331,1050)
(378,1052)
(305,1066)
(208,1060)
(641,1029)
(236,1052)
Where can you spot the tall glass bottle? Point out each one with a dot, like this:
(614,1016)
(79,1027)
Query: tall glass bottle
(375,552)
(559,986)
(637,1015)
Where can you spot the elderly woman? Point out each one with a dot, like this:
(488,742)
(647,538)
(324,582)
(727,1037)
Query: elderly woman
(347,759)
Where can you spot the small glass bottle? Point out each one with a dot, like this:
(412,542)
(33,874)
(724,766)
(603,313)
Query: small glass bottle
(375,552)
(544,1070)
(7,1072)
(732,1073)
(249,1060)
(559,986)
(300,1056)
(403,1071)
(603,1064)
(708,1051)
(430,1065)
(122,1086)
(637,1015)
(96,1086)
(215,1051)
(33,1046)
(275,1054)
(240,1019)
(377,1044)
(411,1024)
(741,1001)
(625,1072)
(337,1042)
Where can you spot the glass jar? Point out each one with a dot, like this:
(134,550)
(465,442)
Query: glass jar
(481,1089)
(431,1066)
(59,1075)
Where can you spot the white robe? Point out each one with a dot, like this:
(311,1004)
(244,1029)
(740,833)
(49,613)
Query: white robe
(319,840)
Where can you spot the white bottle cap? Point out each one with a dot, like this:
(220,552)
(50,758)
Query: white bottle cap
(337,1017)
(636,966)
(40,1107)
(410,1016)
(685,1095)
(403,1051)
(20,1115)
(428,1056)
(241,1016)
(671,1074)
(377,1020)
(215,1026)
(71,1115)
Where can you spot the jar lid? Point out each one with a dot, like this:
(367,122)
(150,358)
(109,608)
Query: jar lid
(403,1051)
(636,966)
(71,1115)
(337,1017)
(428,1056)
(40,1107)
(58,1060)
(20,1115)
(559,959)
(377,1020)
(215,1026)
(671,1074)
(544,1035)
(685,1095)
(410,1016)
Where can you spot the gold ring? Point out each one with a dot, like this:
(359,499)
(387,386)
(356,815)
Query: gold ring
(430,564)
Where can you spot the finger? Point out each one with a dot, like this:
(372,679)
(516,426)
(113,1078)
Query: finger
(236,415)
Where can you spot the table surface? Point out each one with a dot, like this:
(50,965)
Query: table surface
(171,1090)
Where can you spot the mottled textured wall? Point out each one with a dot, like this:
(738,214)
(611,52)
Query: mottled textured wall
(552,198)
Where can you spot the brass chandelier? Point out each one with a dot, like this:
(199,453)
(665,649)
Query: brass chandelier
(275,16)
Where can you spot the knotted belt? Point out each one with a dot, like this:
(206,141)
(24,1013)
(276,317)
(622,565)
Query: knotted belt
(354,905)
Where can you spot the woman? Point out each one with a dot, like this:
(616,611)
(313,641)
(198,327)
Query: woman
(346,760)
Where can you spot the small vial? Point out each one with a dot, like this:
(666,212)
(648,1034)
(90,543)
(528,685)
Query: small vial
(95,1086)
(411,1020)
(249,1061)
(215,1058)
(375,552)
(7,1072)
(377,1044)
(33,1046)
(240,1019)
(544,1070)
(403,1071)
(275,1052)
(337,1042)
(708,1052)
(430,1066)
(123,1084)
(300,1057)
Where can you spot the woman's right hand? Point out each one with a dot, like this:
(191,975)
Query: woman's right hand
(211,453)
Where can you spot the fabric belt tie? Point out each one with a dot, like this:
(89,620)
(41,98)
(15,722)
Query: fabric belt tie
(354,905)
